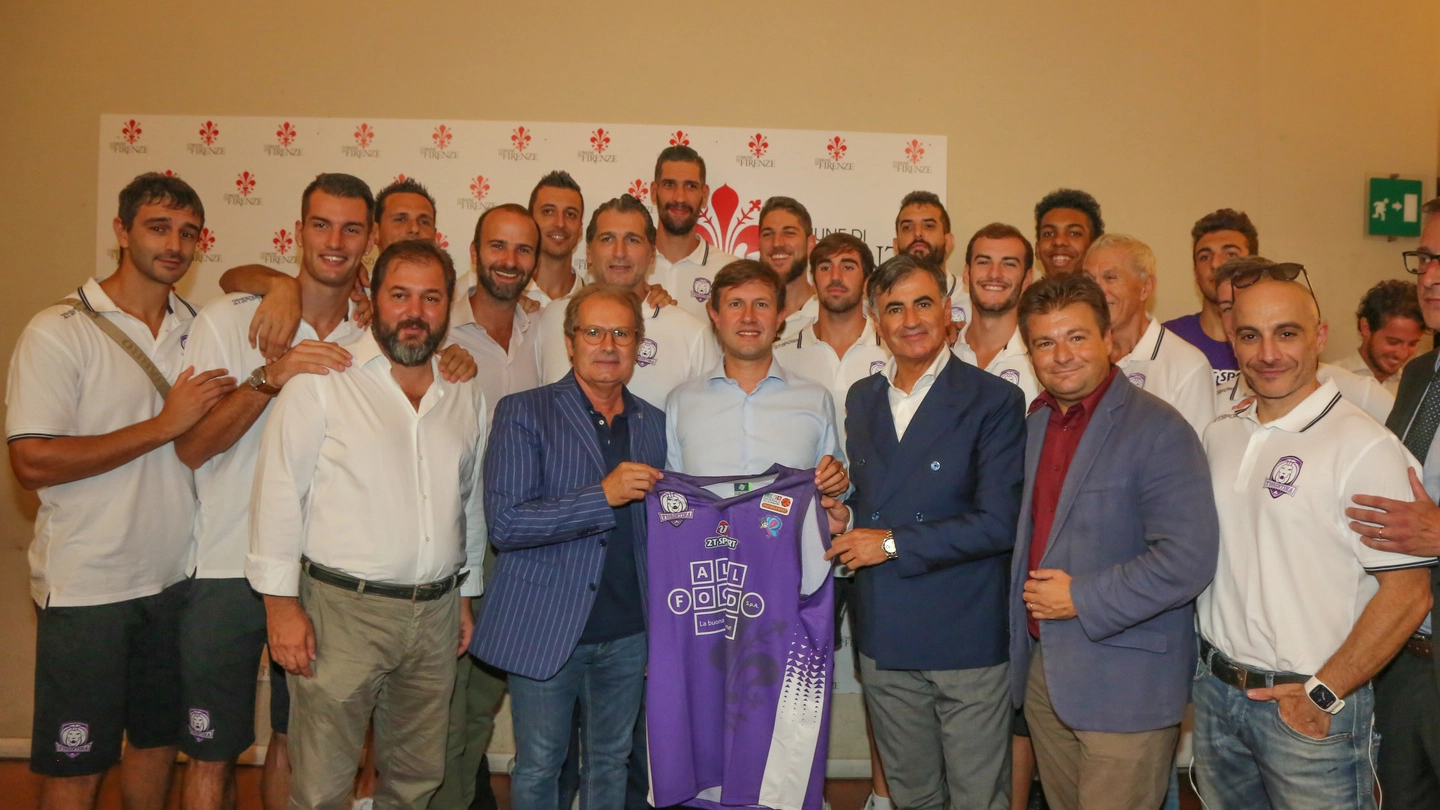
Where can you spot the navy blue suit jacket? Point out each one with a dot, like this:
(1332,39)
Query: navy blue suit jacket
(1136,530)
(549,520)
(951,493)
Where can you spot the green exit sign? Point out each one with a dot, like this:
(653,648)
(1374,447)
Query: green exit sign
(1394,207)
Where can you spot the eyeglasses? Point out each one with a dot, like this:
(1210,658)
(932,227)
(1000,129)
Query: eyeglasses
(1416,260)
(594,335)
(1284,271)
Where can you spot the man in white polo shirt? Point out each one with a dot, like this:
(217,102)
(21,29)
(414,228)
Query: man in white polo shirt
(90,418)
(1391,326)
(1147,353)
(998,265)
(1301,614)
(685,263)
(786,240)
(620,250)
(922,229)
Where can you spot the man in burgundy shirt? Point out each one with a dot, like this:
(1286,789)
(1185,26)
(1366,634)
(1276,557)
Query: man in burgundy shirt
(1117,536)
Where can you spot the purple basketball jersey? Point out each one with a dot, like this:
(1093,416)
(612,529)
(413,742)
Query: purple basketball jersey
(741,641)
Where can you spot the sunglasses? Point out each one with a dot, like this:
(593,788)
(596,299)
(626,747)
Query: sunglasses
(1284,271)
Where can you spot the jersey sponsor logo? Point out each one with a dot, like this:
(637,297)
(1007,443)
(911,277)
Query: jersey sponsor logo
(777,503)
(1010,375)
(674,508)
(200,727)
(771,525)
(1283,476)
(722,538)
(1224,376)
(74,739)
(1137,379)
(716,597)
(700,290)
(648,352)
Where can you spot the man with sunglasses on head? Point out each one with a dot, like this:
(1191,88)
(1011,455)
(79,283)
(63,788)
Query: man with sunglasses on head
(1301,613)
(1407,698)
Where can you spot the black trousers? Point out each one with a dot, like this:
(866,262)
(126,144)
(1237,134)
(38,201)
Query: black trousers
(1407,716)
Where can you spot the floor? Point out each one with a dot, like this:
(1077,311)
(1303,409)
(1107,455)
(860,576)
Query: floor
(21,789)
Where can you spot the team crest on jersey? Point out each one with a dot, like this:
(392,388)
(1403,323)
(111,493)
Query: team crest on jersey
(700,290)
(777,503)
(1137,379)
(722,538)
(647,353)
(674,509)
(1011,376)
(200,727)
(1283,475)
(74,739)
(958,314)
(771,525)
(876,366)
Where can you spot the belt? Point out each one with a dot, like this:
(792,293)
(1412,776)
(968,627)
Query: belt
(1240,676)
(1420,645)
(425,592)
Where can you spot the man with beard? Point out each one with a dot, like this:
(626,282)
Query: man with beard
(223,625)
(922,229)
(1391,326)
(620,250)
(685,264)
(786,239)
(558,207)
(1067,220)
(998,262)
(368,549)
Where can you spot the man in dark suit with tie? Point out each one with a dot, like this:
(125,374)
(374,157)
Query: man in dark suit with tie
(936,449)
(1407,693)
(568,467)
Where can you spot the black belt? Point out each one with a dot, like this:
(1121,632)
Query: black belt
(1240,676)
(425,592)
(1420,645)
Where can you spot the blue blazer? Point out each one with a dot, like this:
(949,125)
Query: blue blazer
(1136,529)
(549,520)
(951,492)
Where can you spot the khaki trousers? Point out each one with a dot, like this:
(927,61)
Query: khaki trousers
(392,657)
(1095,770)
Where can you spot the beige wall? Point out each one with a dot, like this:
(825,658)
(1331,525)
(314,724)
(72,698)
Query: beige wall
(1164,111)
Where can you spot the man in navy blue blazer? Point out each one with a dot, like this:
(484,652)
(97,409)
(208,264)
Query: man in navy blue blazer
(936,448)
(1118,535)
(567,470)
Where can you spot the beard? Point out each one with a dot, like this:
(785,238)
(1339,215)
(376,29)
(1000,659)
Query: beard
(933,257)
(679,224)
(1011,302)
(503,291)
(411,353)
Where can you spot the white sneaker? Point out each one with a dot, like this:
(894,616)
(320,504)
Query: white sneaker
(878,803)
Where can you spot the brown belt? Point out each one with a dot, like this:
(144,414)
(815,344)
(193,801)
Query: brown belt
(1240,676)
(1420,645)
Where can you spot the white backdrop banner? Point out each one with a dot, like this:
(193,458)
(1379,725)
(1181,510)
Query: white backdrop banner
(250,171)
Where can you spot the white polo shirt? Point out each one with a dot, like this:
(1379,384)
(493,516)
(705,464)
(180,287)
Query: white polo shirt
(1173,370)
(353,476)
(501,372)
(960,308)
(1011,363)
(1292,577)
(677,347)
(220,338)
(1365,392)
(688,280)
(125,533)
(1355,363)
(533,291)
(801,318)
(806,355)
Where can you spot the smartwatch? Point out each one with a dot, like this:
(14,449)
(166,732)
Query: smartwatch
(888,545)
(257,381)
(1322,696)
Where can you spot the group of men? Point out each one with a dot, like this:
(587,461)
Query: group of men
(423,494)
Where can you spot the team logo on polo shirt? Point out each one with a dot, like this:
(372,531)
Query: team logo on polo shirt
(649,351)
(1137,379)
(200,725)
(958,314)
(674,509)
(74,739)
(1010,375)
(1283,475)
(876,366)
(700,290)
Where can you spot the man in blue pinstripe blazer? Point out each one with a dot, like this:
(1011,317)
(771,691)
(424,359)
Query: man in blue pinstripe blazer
(566,471)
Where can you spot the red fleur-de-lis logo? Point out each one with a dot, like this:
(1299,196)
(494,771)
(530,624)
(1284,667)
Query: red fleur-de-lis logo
(679,138)
(914,152)
(206,241)
(283,241)
(131,131)
(639,189)
(758,145)
(479,187)
(245,183)
(285,135)
(600,140)
(727,225)
(171,173)
(364,135)
(442,136)
(399,178)
(520,138)
(441,241)
(208,133)
(836,147)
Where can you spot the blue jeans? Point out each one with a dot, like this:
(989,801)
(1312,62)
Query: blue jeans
(608,681)
(1247,758)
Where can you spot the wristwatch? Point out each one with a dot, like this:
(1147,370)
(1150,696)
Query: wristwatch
(257,381)
(1321,696)
(888,545)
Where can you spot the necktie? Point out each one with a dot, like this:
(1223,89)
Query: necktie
(1422,427)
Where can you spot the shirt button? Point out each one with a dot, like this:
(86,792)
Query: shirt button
(934,465)
(919,516)
(874,515)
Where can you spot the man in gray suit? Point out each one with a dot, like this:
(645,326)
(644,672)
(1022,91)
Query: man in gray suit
(1117,536)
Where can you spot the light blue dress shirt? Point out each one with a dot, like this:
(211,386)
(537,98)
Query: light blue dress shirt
(714,428)
(1430,477)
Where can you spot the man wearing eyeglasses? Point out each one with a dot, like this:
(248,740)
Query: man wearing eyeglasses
(571,464)
(1300,615)
(1407,698)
